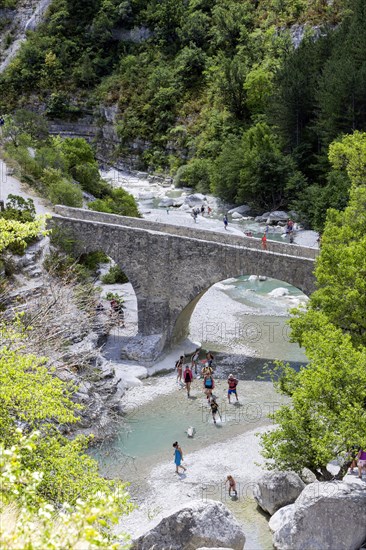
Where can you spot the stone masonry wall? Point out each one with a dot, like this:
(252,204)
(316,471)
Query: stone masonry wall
(169,270)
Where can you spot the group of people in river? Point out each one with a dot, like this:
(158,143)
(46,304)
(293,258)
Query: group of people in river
(185,377)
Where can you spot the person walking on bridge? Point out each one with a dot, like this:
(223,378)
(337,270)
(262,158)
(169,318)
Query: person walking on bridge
(264,242)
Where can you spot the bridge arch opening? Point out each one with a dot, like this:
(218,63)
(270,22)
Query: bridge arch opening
(244,321)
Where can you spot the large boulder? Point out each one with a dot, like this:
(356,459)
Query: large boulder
(281,517)
(278,216)
(166,202)
(199,524)
(195,200)
(273,217)
(243,210)
(326,516)
(276,489)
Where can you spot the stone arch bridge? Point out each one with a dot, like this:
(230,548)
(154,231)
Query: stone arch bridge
(171,267)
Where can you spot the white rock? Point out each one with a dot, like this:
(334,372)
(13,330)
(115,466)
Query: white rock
(237,216)
(326,516)
(253,278)
(185,208)
(146,196)
(243,209)
(166,202)
(273,490)
(278,292)
(195,200)
(262,278)
(199,524)
(278,215)
(280,517)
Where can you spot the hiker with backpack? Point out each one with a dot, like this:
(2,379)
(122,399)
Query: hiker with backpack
(188,377)
(208,385)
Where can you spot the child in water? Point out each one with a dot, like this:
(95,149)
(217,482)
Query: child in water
(214,409)
(232,485)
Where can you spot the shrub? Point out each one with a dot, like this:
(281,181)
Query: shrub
(18,208)
(93,259)
(196,174)
(67,193)
(119,202)
(88,176)
(114,276)
(114,296)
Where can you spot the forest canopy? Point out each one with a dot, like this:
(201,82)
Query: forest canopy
(243,97)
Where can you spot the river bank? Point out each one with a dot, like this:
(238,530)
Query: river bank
(243,324)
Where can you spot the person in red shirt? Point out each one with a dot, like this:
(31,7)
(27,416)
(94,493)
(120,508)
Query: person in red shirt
(233,382)
(264,242)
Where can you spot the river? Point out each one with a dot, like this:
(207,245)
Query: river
(244,323)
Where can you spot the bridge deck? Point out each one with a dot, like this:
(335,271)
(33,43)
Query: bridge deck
(191,233)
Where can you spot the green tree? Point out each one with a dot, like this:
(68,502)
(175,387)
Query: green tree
(196,174)
(14,232)
(327,413)
(341,268)
(119,202)
(28,520)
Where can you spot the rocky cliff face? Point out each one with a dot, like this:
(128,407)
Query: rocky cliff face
(14,23)
(69,330)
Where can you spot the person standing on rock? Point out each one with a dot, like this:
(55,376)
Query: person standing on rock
(361,462)
(178,457)
(226,222)
(188,377)
(203,210)
(179,368)
(232,382)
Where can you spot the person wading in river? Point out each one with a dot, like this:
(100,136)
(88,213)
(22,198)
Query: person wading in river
(208,385)
(187,377)
(178,457)
(179,368)
(233,382)
(214,409)
(232,485)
